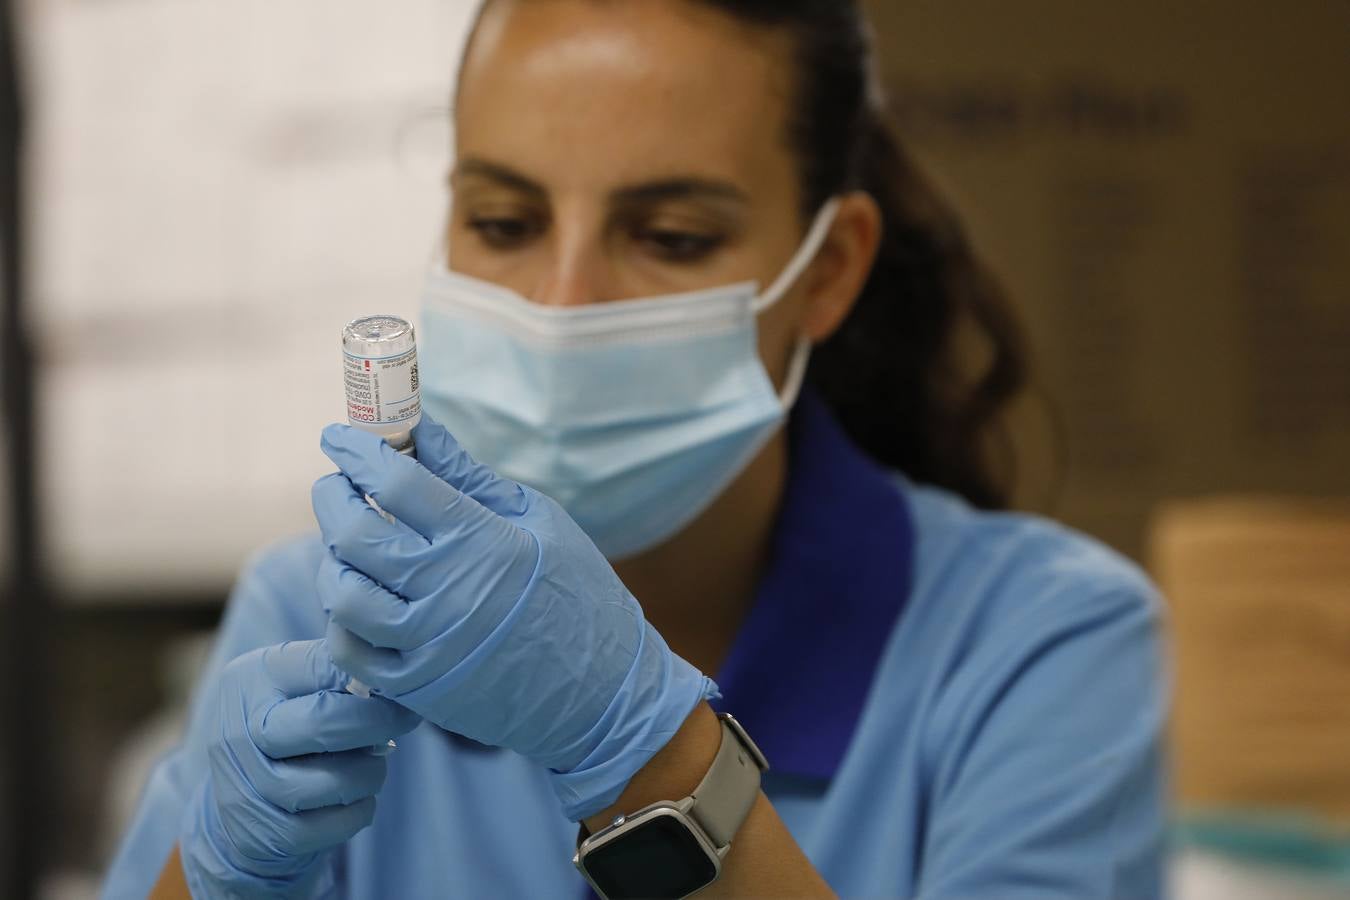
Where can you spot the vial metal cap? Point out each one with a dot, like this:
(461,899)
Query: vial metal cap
(377,329)
(378,335)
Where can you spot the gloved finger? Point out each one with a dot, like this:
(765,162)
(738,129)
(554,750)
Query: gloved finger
(319,829)
(367,608)
(297,668)
(327,722)
(430,635)
(321,779)
(383,669)
(401,486)
(399,559)
(361,537)
(438,451)
(261,831)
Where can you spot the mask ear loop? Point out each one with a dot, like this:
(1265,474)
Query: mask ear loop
(796,373)
(806,254)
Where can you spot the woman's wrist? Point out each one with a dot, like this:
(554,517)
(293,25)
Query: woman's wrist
(673,773)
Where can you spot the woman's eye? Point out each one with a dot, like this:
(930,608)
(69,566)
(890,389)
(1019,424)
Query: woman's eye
(678,246)
(503,233)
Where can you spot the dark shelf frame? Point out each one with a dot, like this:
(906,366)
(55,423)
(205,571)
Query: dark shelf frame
(25,621)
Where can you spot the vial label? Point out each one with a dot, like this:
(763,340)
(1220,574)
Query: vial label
(384,390)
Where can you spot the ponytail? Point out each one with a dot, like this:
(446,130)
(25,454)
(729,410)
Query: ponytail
(893,373)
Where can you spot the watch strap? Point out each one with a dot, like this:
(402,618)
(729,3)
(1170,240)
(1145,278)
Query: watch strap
(727,792)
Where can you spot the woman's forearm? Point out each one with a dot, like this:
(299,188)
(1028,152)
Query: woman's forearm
(764,859)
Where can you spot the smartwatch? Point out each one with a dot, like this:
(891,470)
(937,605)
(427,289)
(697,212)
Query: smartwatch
(672,849)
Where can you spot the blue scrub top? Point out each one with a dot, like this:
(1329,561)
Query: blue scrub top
(954,703)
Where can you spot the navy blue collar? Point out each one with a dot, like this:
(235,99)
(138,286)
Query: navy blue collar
(838,577)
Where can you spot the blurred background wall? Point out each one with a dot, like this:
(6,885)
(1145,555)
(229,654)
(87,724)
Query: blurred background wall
(216,188)
(1165,189)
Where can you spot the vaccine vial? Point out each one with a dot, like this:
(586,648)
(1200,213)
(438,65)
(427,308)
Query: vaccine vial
(379,368)
(379,355)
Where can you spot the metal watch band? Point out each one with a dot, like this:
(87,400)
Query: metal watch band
(724,797)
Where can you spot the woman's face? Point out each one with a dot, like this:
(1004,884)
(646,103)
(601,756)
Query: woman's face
(611,150)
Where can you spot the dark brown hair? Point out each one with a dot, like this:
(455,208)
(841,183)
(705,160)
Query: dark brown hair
(893,373)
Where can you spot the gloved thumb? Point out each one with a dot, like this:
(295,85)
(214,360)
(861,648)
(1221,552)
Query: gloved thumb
(438,450)
(297,668)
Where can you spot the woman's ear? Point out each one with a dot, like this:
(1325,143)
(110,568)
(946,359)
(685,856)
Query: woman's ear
(839,273)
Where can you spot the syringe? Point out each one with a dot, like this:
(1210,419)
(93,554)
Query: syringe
(379,356)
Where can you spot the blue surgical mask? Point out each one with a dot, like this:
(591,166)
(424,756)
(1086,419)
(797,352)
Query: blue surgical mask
(633,414)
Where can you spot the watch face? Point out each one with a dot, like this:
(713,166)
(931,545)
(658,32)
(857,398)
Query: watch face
(657,858)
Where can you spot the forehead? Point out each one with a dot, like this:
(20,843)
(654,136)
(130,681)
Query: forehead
(592,93)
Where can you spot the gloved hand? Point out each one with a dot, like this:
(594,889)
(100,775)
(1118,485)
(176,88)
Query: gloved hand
(293,772)
(487,610)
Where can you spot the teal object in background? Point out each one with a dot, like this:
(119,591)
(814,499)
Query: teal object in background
(1303,843)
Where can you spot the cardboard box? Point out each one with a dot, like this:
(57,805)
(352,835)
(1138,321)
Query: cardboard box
(1165,189)
(1260,600)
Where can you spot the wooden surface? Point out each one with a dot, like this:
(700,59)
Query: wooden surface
(1259,591)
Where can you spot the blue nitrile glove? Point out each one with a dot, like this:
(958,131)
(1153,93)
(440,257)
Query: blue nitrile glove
(487,610)
(293,770)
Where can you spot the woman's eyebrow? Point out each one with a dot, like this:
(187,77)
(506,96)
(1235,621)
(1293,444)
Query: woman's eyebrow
(680,188)
(503,175)
(676,188)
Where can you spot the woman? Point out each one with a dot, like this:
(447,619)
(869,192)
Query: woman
(954,702)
